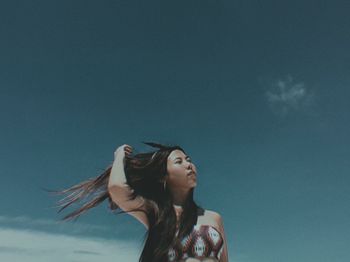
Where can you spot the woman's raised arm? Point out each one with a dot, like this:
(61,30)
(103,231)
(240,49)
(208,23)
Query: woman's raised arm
(120,191)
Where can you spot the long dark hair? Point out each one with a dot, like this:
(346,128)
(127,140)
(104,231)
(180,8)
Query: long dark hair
(145,173)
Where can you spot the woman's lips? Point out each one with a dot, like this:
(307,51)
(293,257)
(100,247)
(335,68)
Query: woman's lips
(192,174)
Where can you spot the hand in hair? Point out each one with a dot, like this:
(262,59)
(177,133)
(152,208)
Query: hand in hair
(122,150)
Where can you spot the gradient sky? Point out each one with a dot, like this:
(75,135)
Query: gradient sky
(256,92)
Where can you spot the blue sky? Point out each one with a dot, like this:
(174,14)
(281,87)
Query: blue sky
(257,92)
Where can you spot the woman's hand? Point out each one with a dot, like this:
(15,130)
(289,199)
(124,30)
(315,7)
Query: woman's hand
(122,151)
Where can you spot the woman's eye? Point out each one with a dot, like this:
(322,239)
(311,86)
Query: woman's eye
(178,162)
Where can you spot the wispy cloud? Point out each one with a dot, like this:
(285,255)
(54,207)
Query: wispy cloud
(36,246)
(49,224)
(287,95)
(23,238)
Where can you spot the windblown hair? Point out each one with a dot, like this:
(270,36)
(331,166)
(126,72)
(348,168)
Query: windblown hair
(145,173)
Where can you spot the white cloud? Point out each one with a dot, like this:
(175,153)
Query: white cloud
(27,221)
(286,95)
(23,238)
(35,246)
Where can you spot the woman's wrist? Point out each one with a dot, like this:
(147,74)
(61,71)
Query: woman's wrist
(118,158)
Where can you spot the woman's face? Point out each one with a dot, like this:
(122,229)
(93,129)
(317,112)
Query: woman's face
(182,172)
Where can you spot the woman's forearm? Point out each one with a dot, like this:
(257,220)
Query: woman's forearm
(117,176)
(118,188)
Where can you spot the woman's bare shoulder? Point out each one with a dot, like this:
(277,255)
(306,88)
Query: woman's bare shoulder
(213,214)
(209,217)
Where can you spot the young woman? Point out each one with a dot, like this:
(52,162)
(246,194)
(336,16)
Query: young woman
(157,189)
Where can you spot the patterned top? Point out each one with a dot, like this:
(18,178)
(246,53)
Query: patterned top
(204,241)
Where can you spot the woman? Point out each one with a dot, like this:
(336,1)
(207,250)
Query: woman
(157,189)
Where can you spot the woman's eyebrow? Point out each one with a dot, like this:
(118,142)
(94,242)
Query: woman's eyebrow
(180,157)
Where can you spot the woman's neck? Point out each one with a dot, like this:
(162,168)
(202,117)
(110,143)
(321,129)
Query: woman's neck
(179,197)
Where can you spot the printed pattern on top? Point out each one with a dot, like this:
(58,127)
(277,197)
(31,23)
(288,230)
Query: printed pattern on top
(204,241)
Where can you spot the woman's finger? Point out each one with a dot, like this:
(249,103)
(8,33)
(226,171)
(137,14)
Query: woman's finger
(128,152)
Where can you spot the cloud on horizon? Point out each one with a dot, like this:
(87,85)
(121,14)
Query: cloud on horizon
(23,238)
(49,224)
(17,245)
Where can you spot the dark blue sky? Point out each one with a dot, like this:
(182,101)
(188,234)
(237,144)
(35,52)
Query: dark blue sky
(257,92)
